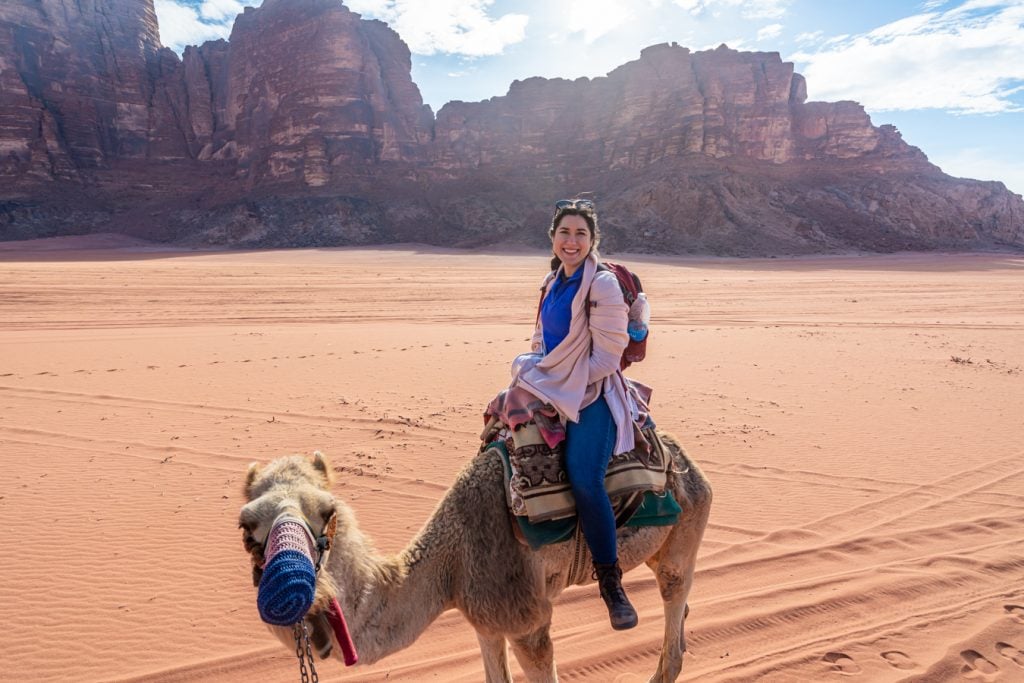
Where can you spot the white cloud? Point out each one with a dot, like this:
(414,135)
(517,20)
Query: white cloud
(461,27)
(748,9)
(809,37)
(182,25)
(979,164)
(761,9)
(595,18)
(770,31)
(693,6)
(969,60)
(221,10)
(373,7)
(836,40)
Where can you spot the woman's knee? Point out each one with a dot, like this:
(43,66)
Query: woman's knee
(585,472)
(588,493)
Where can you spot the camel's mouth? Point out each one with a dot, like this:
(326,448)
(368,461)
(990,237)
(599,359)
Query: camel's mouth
(288,586)
(320,543)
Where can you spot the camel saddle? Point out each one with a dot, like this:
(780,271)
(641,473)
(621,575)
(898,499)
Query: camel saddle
(540,499)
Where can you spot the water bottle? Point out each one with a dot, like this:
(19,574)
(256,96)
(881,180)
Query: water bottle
(639,318)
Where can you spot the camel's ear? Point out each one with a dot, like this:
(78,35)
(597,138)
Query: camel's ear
(319,463)
(250,477)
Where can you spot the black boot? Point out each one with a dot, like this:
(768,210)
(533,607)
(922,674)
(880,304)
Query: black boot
(609,579)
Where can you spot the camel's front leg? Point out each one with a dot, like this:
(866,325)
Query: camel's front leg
(536,655)
(670,665)
(495,656)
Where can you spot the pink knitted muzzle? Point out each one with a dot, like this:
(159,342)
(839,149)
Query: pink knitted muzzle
(289,534)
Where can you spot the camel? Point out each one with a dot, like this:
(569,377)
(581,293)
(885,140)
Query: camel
(467,557)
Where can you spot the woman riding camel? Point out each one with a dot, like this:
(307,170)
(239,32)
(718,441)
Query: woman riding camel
(578,343)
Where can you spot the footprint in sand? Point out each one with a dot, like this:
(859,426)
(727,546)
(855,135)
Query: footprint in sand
(977,666)
(898,659)
(1015,611)
(841,663)
(1012,653)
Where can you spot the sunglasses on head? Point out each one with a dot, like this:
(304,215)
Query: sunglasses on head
(585,204)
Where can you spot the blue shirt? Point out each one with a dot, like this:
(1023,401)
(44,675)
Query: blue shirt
(556,311)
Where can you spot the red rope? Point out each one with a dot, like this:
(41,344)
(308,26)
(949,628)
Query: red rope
(337,619)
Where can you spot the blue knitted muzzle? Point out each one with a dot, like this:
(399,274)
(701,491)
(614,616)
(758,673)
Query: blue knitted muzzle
(288,584)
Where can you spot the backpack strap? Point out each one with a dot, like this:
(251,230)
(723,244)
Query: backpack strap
(629,283)
(543,291)
(586,304)
(626,294)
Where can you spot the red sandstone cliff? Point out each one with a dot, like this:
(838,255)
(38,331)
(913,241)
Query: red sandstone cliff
(306,128)
(310,86)
(75,83)
(668,104)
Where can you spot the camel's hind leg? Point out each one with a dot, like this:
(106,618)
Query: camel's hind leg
(495,655)
(673,566)
(536,655)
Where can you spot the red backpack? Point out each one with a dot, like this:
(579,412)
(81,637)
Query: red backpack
(631,288)
(629,283)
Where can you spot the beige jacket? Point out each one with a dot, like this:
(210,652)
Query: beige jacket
(586,363)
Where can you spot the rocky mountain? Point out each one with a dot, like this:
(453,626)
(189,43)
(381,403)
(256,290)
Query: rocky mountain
(305,128)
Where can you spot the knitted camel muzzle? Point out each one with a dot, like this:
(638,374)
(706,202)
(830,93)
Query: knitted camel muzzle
(288,584)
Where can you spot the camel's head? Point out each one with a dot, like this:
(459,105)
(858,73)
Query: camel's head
(294,485)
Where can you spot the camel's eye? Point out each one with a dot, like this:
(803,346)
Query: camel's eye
(246,522)
(326,513)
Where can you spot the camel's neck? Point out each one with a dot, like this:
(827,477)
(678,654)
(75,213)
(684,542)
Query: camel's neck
(388,603)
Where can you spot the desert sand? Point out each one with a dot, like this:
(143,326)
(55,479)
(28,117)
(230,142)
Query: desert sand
(860,419)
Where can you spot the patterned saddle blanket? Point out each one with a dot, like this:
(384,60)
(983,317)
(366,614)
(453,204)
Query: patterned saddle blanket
(636,484)
(539,486)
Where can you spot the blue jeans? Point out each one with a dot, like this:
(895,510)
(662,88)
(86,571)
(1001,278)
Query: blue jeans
(588,448)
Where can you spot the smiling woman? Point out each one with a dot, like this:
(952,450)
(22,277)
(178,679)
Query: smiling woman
(571,242)
(578,340)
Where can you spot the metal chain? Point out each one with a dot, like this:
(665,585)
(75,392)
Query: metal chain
(302,637)
(309,654)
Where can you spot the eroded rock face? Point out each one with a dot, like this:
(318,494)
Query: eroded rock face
(305,128)
(302,86)
(668,104)
(312,87)
(76,81)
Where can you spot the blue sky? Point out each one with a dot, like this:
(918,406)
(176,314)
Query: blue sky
(948,74)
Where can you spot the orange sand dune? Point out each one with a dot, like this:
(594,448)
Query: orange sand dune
(860,419)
